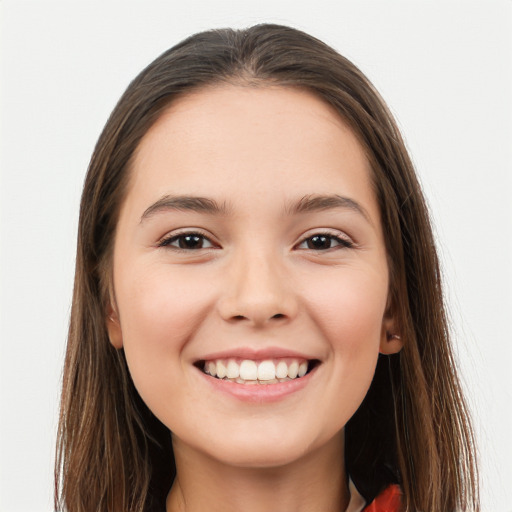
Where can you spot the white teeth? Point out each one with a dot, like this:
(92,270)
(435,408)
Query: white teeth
(281,370)
(266,370)
(248,370)
(252,372)
(221,370)
(212,368)
(293,370)
(233,370)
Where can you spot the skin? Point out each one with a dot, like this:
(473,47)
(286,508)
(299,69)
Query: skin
(257,282)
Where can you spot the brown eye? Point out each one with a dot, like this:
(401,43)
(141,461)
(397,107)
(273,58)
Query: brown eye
(323,242)
(319,242)
(190,242)
(187,241)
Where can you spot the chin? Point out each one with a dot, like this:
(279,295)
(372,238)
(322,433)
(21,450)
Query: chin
(258,448)
(257,457)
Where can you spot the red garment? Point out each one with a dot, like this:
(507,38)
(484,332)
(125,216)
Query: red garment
(389,500)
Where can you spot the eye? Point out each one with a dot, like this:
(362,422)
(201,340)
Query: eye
(323,242)
(187,242)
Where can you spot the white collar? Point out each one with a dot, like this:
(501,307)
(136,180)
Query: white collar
(357,502)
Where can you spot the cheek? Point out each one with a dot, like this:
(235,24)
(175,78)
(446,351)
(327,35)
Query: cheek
(350,308)
(350,316)
(159,307)
(159,314)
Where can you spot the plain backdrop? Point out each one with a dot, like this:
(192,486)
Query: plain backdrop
(444,67)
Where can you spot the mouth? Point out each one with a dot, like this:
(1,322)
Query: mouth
(257,372)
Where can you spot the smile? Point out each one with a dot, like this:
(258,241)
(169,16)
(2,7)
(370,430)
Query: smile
(263,372)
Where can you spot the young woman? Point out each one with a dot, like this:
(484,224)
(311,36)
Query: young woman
(258,320)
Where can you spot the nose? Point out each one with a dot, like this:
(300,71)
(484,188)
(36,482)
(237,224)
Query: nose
(257,291)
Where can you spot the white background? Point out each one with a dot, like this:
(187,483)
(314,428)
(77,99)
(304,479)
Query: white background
(445,69)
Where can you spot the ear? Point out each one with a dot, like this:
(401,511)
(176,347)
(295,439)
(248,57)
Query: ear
(391,340)
(114,327)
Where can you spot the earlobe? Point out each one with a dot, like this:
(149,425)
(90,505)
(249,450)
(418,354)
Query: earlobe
(114,328)
(391,342)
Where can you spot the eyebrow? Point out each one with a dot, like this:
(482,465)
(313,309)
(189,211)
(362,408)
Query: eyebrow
(308,203)
(315,203)
(185,203)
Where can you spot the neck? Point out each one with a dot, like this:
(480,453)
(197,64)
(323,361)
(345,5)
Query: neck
(317,481)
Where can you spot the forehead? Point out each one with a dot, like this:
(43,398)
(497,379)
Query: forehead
(281,116)
(228,139)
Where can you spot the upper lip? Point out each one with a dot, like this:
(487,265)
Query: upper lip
(256,354)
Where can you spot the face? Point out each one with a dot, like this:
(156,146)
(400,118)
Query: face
(250,280)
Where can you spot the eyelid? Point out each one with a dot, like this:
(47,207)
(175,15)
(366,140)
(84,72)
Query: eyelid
(346,242)
(166,240)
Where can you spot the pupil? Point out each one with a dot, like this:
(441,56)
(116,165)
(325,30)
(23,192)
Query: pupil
(190,242)
(319,242)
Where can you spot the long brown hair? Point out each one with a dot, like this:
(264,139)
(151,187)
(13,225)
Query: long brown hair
(413,426)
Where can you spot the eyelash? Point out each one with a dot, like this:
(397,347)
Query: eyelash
(342,243)
(166,242)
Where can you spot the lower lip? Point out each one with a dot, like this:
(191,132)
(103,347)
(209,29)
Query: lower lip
(259,392)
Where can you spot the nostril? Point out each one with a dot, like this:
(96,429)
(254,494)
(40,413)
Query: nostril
(278,315)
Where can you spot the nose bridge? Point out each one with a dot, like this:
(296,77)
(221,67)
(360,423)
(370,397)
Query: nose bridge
(257,288)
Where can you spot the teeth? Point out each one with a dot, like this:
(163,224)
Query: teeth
(266,370)
(293,370)
(281,370)
(212,368)
(233,370)
(248,371)
(221,370)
